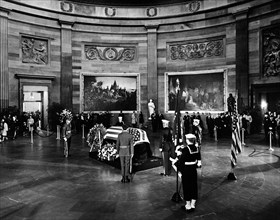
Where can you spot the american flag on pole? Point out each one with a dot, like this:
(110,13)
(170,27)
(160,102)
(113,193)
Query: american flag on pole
(236,146)
(139,135)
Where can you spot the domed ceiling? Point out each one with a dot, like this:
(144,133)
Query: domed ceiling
(130,2)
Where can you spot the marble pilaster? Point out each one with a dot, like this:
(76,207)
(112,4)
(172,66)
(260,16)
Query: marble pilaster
(66,88)
(152,87)
(242,59)
(4,63)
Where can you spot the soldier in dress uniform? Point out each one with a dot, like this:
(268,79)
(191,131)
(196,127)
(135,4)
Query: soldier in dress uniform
(66,134)
(125,150)
(189,160)
(197,131)
(167,148)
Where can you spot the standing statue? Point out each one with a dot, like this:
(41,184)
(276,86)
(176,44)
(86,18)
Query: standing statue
(151,107)
(230,103)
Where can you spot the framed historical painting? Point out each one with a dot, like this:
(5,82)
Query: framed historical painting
(270,51)
(113,92)
(203,91)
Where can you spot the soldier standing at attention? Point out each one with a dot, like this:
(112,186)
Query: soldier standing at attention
(125,150)
(67,133)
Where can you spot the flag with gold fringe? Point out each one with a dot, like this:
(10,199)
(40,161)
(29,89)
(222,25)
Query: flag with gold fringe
(236,145)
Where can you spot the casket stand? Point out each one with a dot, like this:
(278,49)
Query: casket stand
(107,153)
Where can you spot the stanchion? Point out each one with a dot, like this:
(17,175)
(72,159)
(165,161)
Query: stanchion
(48,130)
(215,133)
(31,135)
(243,137)
(231,175)
(270,141)
(83,131)
(58,132)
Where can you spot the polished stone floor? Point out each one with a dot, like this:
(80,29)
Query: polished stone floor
(37,182)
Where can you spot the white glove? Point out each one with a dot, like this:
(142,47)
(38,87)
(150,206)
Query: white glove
(199,163)
(65,139)
(179,153)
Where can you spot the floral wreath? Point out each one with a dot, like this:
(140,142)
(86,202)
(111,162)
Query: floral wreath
(95,136)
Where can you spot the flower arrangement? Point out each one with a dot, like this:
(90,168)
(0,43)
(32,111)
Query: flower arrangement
(107,152)
(65,114)
(95,136)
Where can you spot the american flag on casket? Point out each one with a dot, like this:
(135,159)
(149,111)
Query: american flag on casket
(139,135)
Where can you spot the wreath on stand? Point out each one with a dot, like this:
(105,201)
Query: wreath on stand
(95,137)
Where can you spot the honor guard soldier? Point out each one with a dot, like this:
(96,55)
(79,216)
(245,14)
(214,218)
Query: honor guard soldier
(189,160)
(125,150)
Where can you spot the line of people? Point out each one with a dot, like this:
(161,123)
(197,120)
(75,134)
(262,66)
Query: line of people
(271,125)
(13,125)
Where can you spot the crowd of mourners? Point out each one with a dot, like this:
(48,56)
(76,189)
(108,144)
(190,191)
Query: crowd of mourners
(13,125)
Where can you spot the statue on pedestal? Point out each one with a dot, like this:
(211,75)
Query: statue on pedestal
(151,107)
(230,102)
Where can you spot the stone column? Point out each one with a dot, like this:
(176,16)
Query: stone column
(242,59)
(152,88)
(66,88)
(4,62)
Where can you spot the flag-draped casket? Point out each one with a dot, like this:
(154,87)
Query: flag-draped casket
(141,143)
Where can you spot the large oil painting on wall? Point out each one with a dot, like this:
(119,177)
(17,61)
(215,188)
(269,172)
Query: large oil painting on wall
(109,92)
(270,64)
(198,90)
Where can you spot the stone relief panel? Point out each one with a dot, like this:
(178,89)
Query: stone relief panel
(271,51)
(110,53)
(196,50)
(34,50)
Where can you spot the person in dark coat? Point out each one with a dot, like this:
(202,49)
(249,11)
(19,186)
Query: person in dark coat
(125,150)
(187,121)
(189,160)
(167,148)
(210,125)
(141,120)
(218,124)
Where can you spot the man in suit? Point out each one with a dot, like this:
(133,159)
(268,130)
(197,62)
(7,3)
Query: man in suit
(125,150)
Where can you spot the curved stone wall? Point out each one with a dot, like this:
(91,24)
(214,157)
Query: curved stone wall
(64,40)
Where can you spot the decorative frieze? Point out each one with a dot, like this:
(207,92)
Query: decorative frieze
(196,50)
(271,51)
(34,50)
(110,53)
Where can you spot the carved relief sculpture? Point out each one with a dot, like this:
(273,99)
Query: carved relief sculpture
(66,7)
(34,50)
(110,53)
(109,11)
(151,12)
(193,6)
(192,51)
(271,51)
